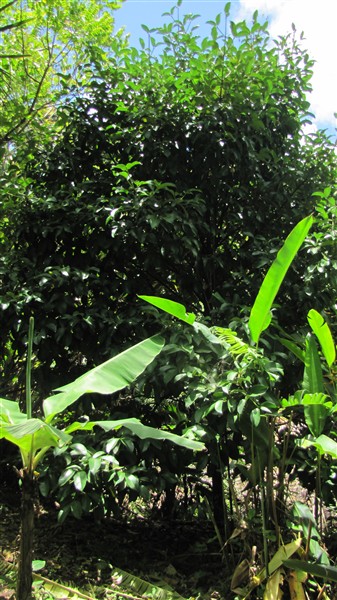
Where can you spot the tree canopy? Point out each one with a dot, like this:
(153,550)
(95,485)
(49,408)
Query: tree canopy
(174,169)
(48,50)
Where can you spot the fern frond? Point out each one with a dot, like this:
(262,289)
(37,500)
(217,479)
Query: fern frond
(6,568)
(229,337)
(60,590)
(142,588)
(7,571)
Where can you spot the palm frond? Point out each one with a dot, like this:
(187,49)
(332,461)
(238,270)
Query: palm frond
(230,338)
(7,570)
(142,588)
(60,590)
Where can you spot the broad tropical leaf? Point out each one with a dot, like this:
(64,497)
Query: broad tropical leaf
(31,436)
(322,331)
(260,314)
(109,377)
(324,445)
(138,429)
(10,412)
(172,308)
(279,557)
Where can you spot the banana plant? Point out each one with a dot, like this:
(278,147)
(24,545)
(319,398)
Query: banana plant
(35,436)
(259,320)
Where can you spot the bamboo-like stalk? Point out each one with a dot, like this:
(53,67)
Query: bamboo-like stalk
(25,571)
(29,368)
(25,574)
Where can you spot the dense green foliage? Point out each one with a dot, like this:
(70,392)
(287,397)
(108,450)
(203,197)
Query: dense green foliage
(176,170)
(170,175)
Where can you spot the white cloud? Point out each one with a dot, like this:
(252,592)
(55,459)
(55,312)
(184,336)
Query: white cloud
(318,21)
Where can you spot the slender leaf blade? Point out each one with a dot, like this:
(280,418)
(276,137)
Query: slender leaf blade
(171,307)
(296,350)
(260,314)
(322,330)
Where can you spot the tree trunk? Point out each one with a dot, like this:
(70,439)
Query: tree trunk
(25,576)
(217,498)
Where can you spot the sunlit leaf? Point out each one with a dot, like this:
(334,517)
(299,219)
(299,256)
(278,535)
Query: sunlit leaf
(324,445)
(33,435)
(295,580)
(80,480)
(10,412)
(173,308)
(260,314)
(322,331)
(138,429)
(273,589)
(109,377)
(279,557)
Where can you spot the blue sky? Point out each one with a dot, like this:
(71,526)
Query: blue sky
(317,21)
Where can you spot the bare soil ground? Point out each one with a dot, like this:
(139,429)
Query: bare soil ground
(184,555)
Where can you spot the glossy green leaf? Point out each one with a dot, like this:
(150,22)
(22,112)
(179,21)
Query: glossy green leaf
(66,476)
(80,480)
(260,314)
(172,308)
(138,429)
(109,377)
(321,329)
(313,375)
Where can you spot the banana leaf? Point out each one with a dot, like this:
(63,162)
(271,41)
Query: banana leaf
(138,429)
(260,316)
(109,377)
